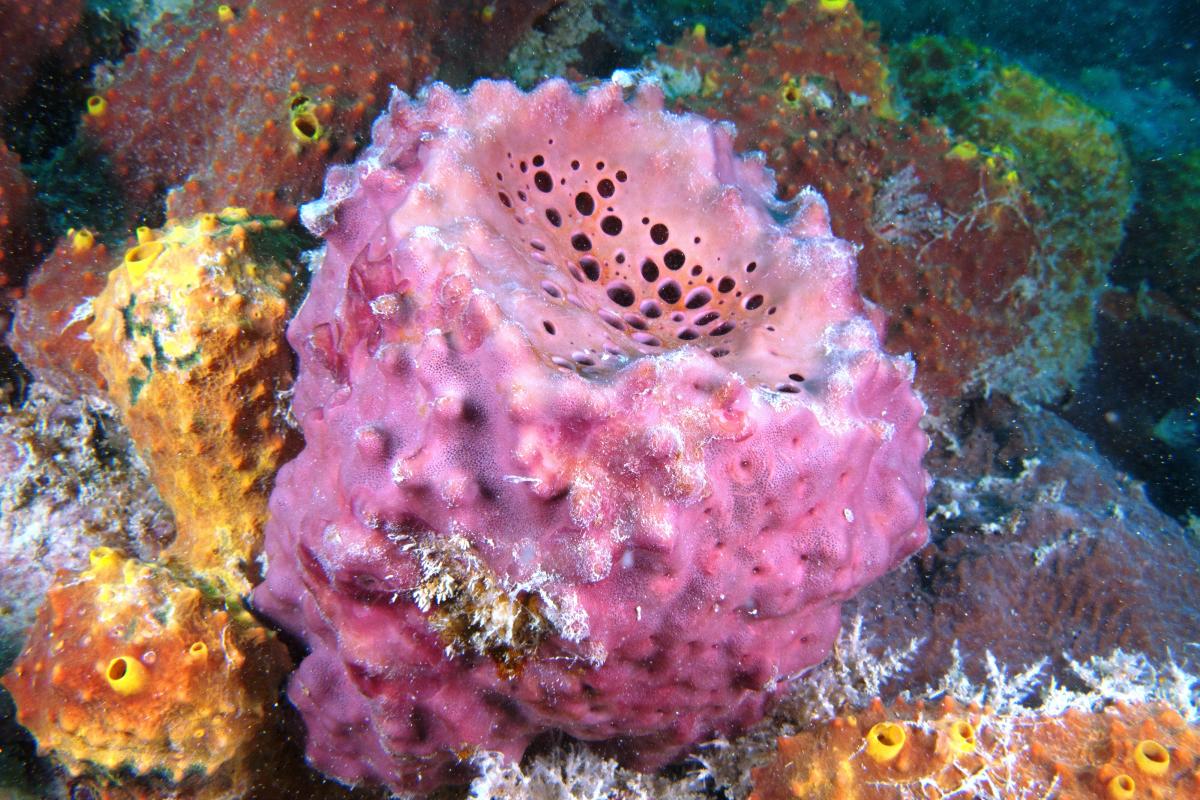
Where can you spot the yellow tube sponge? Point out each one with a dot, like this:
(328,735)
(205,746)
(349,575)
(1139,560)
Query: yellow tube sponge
(962,737)
(189,334)
(885,740)
(1121,787)
(306,127)
(82,240)
(1151,757)
(126,675)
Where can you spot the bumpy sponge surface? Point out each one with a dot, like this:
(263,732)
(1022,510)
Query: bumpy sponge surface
(598,437)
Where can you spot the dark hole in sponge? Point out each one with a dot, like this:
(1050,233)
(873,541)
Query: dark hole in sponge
(581,242)
(621,294)
(506,200)
(585,203)
(670,292)
(725,285)
(543,181)
(659,233)
(611,225)
(554,217)
(605,188)
(674,259)
(698,298)
(650,270)
(591,268)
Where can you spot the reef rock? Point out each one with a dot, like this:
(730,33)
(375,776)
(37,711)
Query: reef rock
(1040,548)
(71,483)
(599,437)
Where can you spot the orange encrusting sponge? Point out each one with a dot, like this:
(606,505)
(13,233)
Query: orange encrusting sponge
(945,749)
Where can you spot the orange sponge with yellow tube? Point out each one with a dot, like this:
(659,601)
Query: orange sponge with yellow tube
(134,666)
(944,750)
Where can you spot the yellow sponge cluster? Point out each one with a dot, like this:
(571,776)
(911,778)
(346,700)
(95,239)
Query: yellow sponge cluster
(189,335)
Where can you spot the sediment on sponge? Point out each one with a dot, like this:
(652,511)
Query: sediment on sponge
(598,436)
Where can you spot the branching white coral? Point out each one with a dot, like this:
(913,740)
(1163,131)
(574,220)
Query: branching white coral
(1133,678)
(854,674)
(1004,694)
(569,774)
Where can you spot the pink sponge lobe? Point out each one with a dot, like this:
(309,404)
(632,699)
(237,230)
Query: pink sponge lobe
(599,436)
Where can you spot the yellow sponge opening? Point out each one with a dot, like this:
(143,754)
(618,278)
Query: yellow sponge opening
(1121,787)
(1151,757)
(126,675)
(885,741)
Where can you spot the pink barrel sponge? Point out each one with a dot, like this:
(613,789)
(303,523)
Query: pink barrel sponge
(599,437)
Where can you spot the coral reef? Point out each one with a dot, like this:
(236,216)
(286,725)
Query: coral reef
(189,336)
(1039,548)
(50,325)
(592,38)
(1146,43)
(948,244)
(133,667)
(1067,154)
(944,749)
(248,107)
(954,244)
(576,458)
(544,53)
(70,484)
(473,38)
